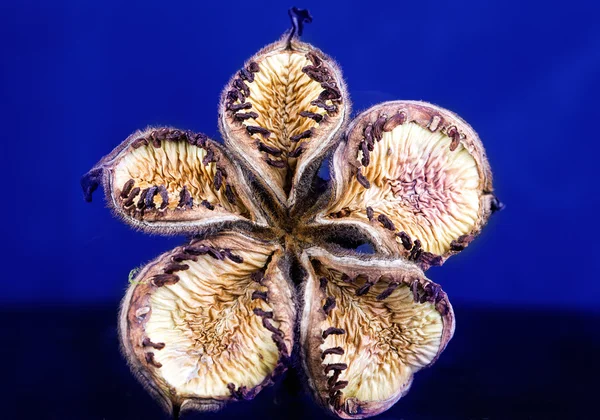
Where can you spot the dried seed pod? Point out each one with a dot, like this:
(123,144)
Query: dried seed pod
(427,176)
(211,336)
(282,97)
(381,340)
(214,321)
(174,178)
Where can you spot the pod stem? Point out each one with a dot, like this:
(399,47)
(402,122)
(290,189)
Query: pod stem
(298,17)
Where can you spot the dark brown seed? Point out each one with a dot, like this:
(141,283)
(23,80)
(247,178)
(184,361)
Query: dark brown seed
(332,350)
(415,253)
(321,104)
(427,260)
(454,144)
(239,84)
(276,163)
(161,279)
(218,179)
(362,180)
(330,92)
(365,151)
(164,196)
(148,343)
(233,95)
(335,366)
(370,213)
(200,139)
(257,276)
(238,107)
(378,127)
(386,222)
(280,343)
(364,289)
(370,144)
(171,268)
(257,294)
(339,385)
(271,327)
(323,283)
(246,75)
(229,194)
(142,201)
(149,199)
(183,257)
(329,304)
(240,116)
(307,114)
(233,257)
(387,292)
(209,158)
(131,197)
(161,134)
(207,205)
(174,135)
(253,67)
(454,133)
(127,188)
(150,360)
(346,278)
(304,135)
(333,378)
(406,241)
(268,149)
(197,250)
(315,73)
(457,246)
(254,129)
(297,151)
(433,291)
(394,121)
(156,142)
(216,254)
(139,142)
(185,198)
(261,313)
(314,59)
(368,133)
(332,330)
(415,290)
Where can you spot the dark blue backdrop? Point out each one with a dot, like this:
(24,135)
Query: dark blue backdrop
(78,77)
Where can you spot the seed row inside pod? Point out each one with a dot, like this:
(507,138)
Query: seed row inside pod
(424,259)
(334,385)
(239,100)
(139,196)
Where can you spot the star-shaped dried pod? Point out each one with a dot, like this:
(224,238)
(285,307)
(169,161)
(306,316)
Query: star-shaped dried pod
(262,279)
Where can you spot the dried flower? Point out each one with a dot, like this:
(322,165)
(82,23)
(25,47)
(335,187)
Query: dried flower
(265,272)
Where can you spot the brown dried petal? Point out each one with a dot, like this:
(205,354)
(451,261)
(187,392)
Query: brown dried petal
(188,341)
(382,334)
(418,184)
(174,179)
(282,94)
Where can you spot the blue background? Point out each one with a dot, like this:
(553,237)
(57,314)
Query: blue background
(78,77)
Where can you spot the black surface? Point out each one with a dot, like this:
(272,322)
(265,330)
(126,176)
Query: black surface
(64,363)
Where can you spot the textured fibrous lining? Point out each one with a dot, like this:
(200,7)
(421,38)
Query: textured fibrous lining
(427,190)
(279,93)
(385,342)
(213,337)
(175,164)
